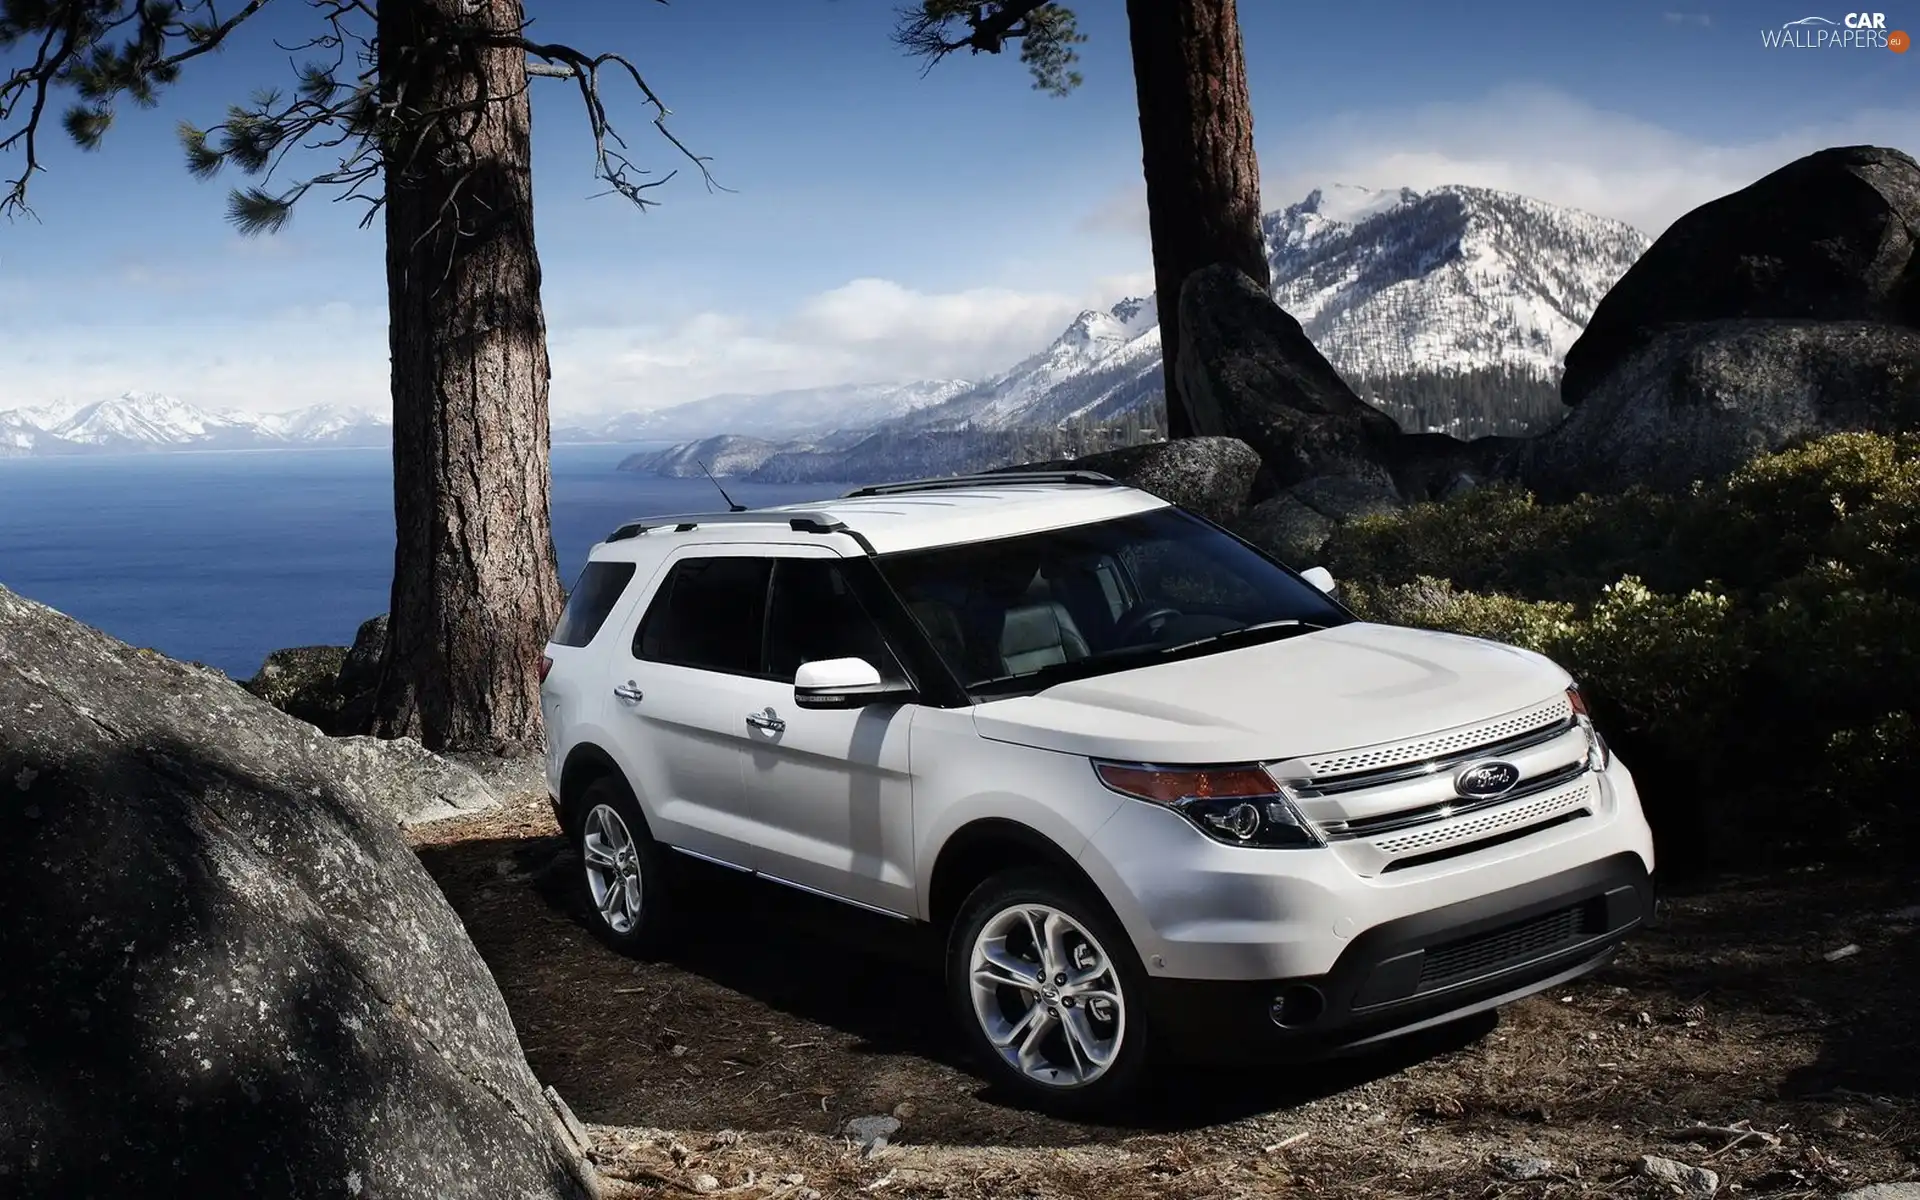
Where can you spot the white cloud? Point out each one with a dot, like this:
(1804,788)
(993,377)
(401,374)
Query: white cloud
(866,330)
(1533,140)
(326,353)
(1546,144)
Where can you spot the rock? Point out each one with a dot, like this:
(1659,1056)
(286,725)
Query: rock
(1884,1191)
(1341,498)
(704,1182)
(1828,237)
(1287,529)
(871,1133)
(1699,401)
(1692,1181)
(230,974)
(1247,370)
(302,682)
(1213,476)
(360,675)
(1522,1166)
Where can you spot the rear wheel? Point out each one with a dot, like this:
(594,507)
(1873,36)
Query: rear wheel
(1049,991)
(623,876)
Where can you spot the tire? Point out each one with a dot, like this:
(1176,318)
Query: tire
(1092,1072)
(626,888)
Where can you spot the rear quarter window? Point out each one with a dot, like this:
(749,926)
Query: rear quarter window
(592,599)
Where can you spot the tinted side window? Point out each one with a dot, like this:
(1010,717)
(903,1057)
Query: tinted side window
(593,596)
(815,615)
(707,614)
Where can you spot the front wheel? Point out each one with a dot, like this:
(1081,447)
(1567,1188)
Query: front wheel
(623,878)
(1048,989)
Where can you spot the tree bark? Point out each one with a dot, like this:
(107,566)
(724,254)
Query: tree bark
(1196,142)
(475,583)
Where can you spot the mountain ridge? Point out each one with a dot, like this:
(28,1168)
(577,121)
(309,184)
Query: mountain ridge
(1402,290)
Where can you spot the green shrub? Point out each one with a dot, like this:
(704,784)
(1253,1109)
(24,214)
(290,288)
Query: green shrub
(1751,648)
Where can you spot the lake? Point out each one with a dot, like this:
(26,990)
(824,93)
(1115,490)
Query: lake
(221,558)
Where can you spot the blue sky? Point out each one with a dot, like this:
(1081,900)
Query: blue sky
(882,225)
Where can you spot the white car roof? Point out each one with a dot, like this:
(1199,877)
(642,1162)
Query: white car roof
(914,516)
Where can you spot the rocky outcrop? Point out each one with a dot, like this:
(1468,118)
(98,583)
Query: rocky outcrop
(1787,309)
(359,676)
(302,681)
(1248,371)
(1833,236)
(228,973)
(1697,401)
(1213,476)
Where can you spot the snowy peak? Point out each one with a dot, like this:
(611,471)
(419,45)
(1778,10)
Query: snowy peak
(144,421)
(1329,212)
(1453,279)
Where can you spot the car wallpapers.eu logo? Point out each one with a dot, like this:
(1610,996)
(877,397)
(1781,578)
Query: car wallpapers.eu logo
(1853,31)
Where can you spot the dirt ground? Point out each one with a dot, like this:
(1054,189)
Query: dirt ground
(1765,1031)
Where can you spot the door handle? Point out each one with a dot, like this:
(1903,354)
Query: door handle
(767,721)
(628,691)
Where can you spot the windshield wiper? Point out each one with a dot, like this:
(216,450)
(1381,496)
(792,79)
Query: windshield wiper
(1232,635)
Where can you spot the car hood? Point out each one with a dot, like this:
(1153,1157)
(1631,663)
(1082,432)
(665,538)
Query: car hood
(1334,689)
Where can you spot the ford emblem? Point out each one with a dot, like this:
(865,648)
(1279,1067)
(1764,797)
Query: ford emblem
(1485,780)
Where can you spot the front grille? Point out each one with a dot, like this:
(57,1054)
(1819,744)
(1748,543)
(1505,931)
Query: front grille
(1557,711)
(1510,946)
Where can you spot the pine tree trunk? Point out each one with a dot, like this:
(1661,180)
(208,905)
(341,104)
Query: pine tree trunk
(1196,143)
(475,584)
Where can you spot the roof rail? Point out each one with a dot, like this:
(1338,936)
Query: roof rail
(799,522)
(1093,478)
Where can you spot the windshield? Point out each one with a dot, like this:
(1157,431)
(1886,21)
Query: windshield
(1018,614)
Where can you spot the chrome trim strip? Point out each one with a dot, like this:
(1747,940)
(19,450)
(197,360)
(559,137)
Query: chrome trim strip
(708,858)
(1335,785)
(1342,831)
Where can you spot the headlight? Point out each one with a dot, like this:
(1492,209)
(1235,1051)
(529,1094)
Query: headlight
(1598,756)
(1240,805)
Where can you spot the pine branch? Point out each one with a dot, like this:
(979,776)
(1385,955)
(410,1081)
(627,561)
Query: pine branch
(1046,30)
(610,164)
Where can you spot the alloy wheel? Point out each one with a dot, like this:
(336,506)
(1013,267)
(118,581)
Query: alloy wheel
(1047,996)
(613,868)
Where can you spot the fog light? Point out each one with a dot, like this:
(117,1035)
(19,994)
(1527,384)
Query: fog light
(1295,1006)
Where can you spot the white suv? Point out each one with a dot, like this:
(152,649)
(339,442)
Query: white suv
(1161,795)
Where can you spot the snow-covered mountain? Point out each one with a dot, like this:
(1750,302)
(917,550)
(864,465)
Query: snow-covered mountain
(1455,279)
(146,421)
(1457,282)
(1451,281)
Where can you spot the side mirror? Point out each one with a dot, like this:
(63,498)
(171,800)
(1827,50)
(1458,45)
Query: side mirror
(845,683)
(1319,577)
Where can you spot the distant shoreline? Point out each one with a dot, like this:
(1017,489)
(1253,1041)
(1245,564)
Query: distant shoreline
(171,452)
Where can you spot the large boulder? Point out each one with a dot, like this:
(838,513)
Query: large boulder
(1828,237)
(1247,370)
(1697,401)
(227,974)
(1213,476)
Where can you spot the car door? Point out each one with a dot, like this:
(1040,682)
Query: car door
(829,789)
(682,682)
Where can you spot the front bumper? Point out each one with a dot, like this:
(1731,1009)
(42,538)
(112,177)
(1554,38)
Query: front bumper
(1415,972)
